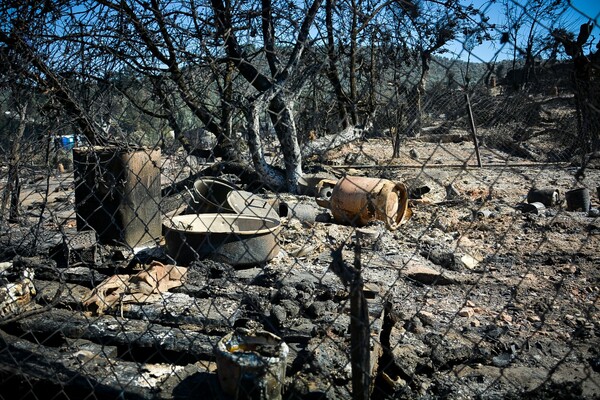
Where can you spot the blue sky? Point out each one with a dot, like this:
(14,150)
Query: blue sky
(579,12)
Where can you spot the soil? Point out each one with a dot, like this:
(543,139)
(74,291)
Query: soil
(523,319)
(475,296)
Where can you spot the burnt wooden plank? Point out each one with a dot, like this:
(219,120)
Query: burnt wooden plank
(47,269)
(92,372)
(167,309)
(180,343)
(180,308)
(63,294)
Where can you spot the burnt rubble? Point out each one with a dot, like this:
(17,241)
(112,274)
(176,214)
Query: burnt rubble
(459,302)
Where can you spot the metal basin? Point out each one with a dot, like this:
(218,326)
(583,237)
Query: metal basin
(232,238)
(247,203)
(210,195)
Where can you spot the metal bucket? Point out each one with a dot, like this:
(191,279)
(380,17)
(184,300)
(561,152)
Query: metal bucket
(358,200)
(231,238)
(210,195)
(578,200)
(251,365)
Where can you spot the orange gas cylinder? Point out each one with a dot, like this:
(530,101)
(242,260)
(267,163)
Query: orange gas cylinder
(356,201)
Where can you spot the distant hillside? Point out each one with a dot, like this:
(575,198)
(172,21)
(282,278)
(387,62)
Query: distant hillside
(442,68)
(543,76)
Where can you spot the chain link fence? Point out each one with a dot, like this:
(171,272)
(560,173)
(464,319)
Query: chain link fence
(299,201)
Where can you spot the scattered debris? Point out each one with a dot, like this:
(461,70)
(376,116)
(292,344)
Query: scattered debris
(146,286)
(533,208)
(78,248)
(427,275)
(251,365)
(440,313)
(15,296)
(548,197)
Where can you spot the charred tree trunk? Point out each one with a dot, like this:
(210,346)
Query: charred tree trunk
(270,175)
(372,79)
(413,128)
(224,145)
(332,70)
(12,190)
(586,94)
(353,64)
(397,131)
(282,117)
(415,96)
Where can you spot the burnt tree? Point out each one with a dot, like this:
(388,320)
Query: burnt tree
(586,84)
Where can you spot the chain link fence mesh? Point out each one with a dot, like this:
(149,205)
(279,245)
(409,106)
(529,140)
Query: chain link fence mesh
(388,215)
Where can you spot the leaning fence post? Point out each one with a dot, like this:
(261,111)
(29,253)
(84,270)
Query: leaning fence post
(473,128)
(359,330)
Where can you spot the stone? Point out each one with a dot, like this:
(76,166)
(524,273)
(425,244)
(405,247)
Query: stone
(278,315)
(426,275)
(467,312)
(426,317)
(406,359)
(468,262)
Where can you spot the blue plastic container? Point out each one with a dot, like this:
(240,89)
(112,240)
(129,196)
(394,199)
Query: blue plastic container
(67,142)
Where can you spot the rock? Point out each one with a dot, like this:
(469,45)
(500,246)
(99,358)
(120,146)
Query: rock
(594,213)
(506,318)
(371,290)
(426,275)
(320,308)
(287,293)
(415,326)
(278,315)
(468,262)
(292,308)
(426,317)
(534,318)
(467,312)
(406,359)
(447,258)
(502,360)
(440,255)
(445,352)
(328,359)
